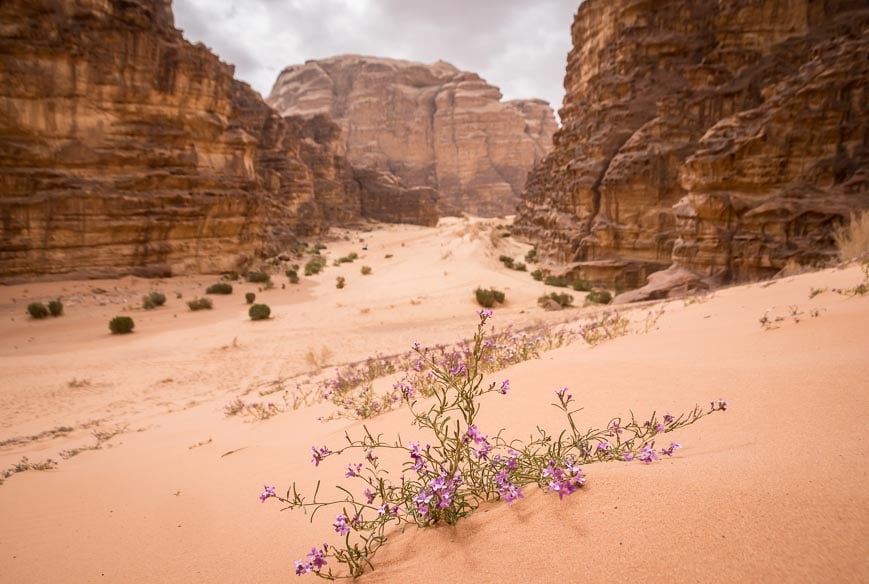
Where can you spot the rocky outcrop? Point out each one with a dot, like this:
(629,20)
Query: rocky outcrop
(384,198)
(123,147)
(429,125)
(727,138)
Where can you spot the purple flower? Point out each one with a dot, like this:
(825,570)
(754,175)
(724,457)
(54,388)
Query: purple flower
(603,447)
(647,455)
(319,455)
(674,446)
(416,346)
(267,492)
(340,525)
(668,419)
(720,404)
(303,567)
(614,427)
(369,496)
(318,557)
(627,456)
(505,387)
(353,470)
(566,479)
(484,313)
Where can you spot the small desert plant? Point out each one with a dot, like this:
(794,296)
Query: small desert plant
(531,256)
(462,466)
(153,300)
(121,325)
(519,267)
(599,297)
(506,260)
(366,270)
(319,247)
(487,297)
(199,304)
(219,288)
(259,312)
(555,281)
(250,297)
(581,285)
(257,277)
(537,275)
(55,307)
(340,282)
(562,300)
(293,275)
(314,266)
(853,239)
(37,310)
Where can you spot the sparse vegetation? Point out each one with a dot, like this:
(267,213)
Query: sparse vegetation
(555,300)
(366,270)
(37,310)
(531,256)
(314,266)
(581,285)
(293,275)
(340,282)
(219,288)
(250,297)
(599,297)
(538,275)
(121,325)
(257,277)
(853,239)
(318,360)
(55,307)
(199,304)
(556,281)
(153,300)
(259,312)
(487,297)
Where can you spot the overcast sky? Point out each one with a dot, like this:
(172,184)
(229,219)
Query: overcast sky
(519,45)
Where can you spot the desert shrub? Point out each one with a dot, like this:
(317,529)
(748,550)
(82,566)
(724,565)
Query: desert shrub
(319,247)
(257,277)
(531,256)
(599,297)
(366,270)
(121,325)
(563,299)
(219,288)
(487,297)
(853,240)
(555,281)
(199,304)
(581,285)
(37,310)
(293,275)
(506,260)
(259,312)
(462,466)
(314,266)
(340,282)
(520,267)
(153,300)
(537,275)
(55,307)
(250,297)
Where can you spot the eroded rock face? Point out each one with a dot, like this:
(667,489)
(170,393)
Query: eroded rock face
(124,147)
(429,125)
(725,137)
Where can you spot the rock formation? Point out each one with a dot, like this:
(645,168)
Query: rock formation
(429,125)
(123,147)
(725,138)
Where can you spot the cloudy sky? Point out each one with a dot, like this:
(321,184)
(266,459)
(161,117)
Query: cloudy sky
(519,45)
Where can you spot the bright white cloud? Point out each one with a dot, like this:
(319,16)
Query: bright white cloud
(519,45)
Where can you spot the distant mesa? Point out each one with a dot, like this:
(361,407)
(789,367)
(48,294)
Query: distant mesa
(724,139)
(430,126)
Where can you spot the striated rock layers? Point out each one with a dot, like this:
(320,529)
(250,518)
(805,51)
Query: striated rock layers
(726,138)
(428,125)
(125,148)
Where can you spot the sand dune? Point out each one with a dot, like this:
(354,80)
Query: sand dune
(775,489)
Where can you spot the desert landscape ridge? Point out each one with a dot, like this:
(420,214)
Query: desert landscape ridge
(386,316)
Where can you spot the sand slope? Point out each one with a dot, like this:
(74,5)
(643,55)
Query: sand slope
(775,489)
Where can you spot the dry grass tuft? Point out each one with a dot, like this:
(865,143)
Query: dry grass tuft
(853,239)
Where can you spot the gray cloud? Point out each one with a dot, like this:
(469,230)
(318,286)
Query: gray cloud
(519,45)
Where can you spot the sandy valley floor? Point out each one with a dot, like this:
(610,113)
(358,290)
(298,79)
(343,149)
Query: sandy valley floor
(774,490)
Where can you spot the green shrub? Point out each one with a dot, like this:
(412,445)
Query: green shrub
(487,297)
(55,307)
(153,300)
(520,267)
(339,282)
(599,297)
(562,299)
(531,256)
(537,275)
(318,247)
(554,281)
(366,270)
(259,312)
(250,297)
(257,277)
(219,288)
(581,285)
(506,260)
(121,325)
(293,275)
(199,304)
(314,266)
(499,296)
(37,310)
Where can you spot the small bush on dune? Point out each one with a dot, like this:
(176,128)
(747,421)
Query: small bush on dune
(537,275)
(250,297)
(853,240)
(55,307)
(293,275)
(599,297)
(199,304)
(562,300)
(581,285)
(153,300)
(314,266)
(121,325)
(531,256)
(340,282)
(520,267)
(257,277)
(259,312)
(555,281)
(219,288)
(366,270)
(487,297)
(37,310)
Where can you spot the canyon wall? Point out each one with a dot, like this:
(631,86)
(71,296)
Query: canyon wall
(124,148)
(724,138)
(430,126)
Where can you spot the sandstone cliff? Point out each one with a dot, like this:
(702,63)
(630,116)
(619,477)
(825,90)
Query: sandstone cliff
(429,125)
(123,147)
(726,138)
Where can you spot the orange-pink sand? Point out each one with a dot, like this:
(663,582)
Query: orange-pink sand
(773,490)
